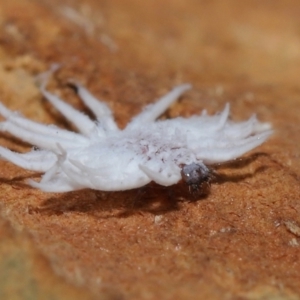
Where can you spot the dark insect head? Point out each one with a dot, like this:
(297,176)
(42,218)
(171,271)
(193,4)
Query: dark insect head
(198,177)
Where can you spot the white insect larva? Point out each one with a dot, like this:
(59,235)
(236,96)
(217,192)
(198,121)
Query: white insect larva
(103,157)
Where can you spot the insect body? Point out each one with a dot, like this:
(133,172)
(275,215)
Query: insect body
(103,157)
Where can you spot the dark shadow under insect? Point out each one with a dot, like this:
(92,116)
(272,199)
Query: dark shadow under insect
(152,198)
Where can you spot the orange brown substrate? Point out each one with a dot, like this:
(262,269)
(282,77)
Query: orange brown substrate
(241,241)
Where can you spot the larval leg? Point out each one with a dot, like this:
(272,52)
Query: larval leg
(60,185)
(216,122)
(242,129)
(223,142)
(222,154)
(39,163)
(100,109)
(97,180)
(152,112)
(159,178)
(84,124)
(36,139)
(78,179)
(36,127)
(222,118)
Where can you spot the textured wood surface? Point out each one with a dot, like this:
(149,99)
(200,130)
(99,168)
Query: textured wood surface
(239,242)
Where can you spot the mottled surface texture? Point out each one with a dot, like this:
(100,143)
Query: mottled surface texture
(240,241)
